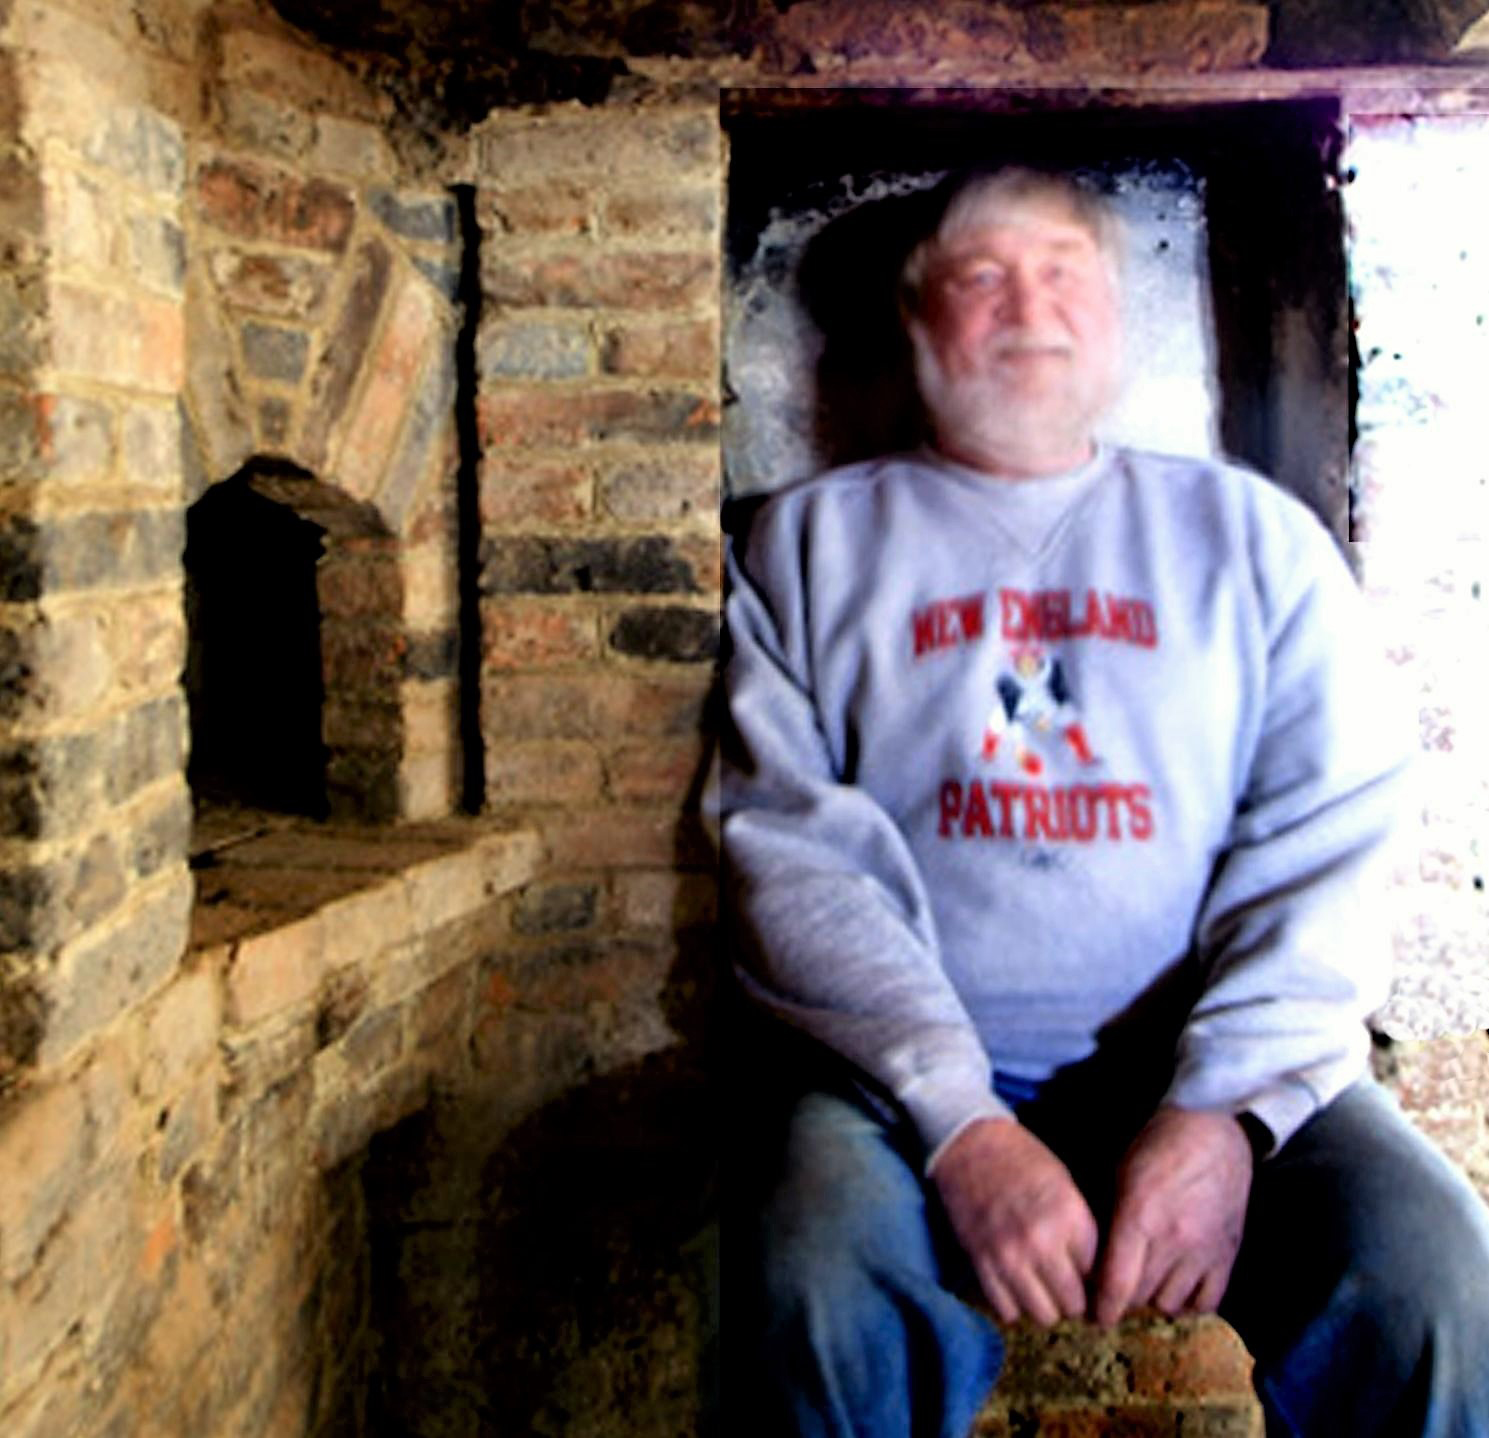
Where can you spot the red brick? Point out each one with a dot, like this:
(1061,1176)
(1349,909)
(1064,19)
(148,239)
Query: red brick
(257,203)
(518,491)
(618,279)
(374,421)
(621,838)
(558,416)
(595,705)
(543,772)
(656,769)
(1188,1359)
(664,210)
(351,585)
(516,634)
(686,349)
(555,207)
(358,655)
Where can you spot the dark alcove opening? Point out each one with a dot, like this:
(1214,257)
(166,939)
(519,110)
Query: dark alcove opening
(253,673)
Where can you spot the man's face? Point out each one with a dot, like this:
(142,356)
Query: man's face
(1017,338)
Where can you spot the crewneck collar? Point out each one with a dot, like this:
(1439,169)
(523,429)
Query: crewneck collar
(1034,513)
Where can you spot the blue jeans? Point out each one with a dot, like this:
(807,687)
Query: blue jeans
(1361,1287)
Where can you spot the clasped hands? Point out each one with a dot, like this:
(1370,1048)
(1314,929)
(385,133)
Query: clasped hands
(1033,1241)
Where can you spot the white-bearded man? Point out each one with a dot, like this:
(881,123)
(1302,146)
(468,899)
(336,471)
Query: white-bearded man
(1082,987)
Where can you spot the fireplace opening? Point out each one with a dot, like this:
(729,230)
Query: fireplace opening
(294,652)
(1237,316)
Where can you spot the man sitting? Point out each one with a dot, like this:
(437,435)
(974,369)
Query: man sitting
(1054,777)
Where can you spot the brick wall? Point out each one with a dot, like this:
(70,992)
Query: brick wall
(397,1127)
(321,289)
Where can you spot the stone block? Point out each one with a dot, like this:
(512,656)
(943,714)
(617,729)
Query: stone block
(157,252)
(21,330)
(289,287)
(534,491)
(543,772)
(596,705)
(430,587)
(87,551)
(560,417)
(273,419)
(141,145)
(275,971)
(180,1034)
(605,279)
(374,1043)
(361,655)
(555,908)
(135,342)
(150,448)
(432,655)
(49,1146)
(683,485)
(49,787)
(518,634)
(160,834)
(275,353)
(82,221)
(300,72)
(638,143)
(118,965)
(673,633)
(75,438)
(349,147)
(414,216)
(534,349)
(255,202)
(254,121)
(214,398)
(532,564)
(444,279)
(666,900)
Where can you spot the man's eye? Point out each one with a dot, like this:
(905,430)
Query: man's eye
(980,279)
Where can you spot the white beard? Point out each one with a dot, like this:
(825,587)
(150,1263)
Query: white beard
(981,414)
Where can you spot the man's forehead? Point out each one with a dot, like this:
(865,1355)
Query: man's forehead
(1046,225)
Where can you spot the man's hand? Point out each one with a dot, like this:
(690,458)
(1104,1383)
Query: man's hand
(1181,1204)
(1017,1212)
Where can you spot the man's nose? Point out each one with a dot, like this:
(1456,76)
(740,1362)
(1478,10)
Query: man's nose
(1022,298)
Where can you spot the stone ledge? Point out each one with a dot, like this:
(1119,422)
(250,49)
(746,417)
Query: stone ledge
(282,903)
(1148,1376)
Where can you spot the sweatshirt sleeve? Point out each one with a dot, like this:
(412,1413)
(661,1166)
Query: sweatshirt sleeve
(837,933)
(1294,959)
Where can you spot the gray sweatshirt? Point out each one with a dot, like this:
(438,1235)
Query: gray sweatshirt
(1005,759)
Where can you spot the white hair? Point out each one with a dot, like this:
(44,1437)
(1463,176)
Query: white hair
(1004,195)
